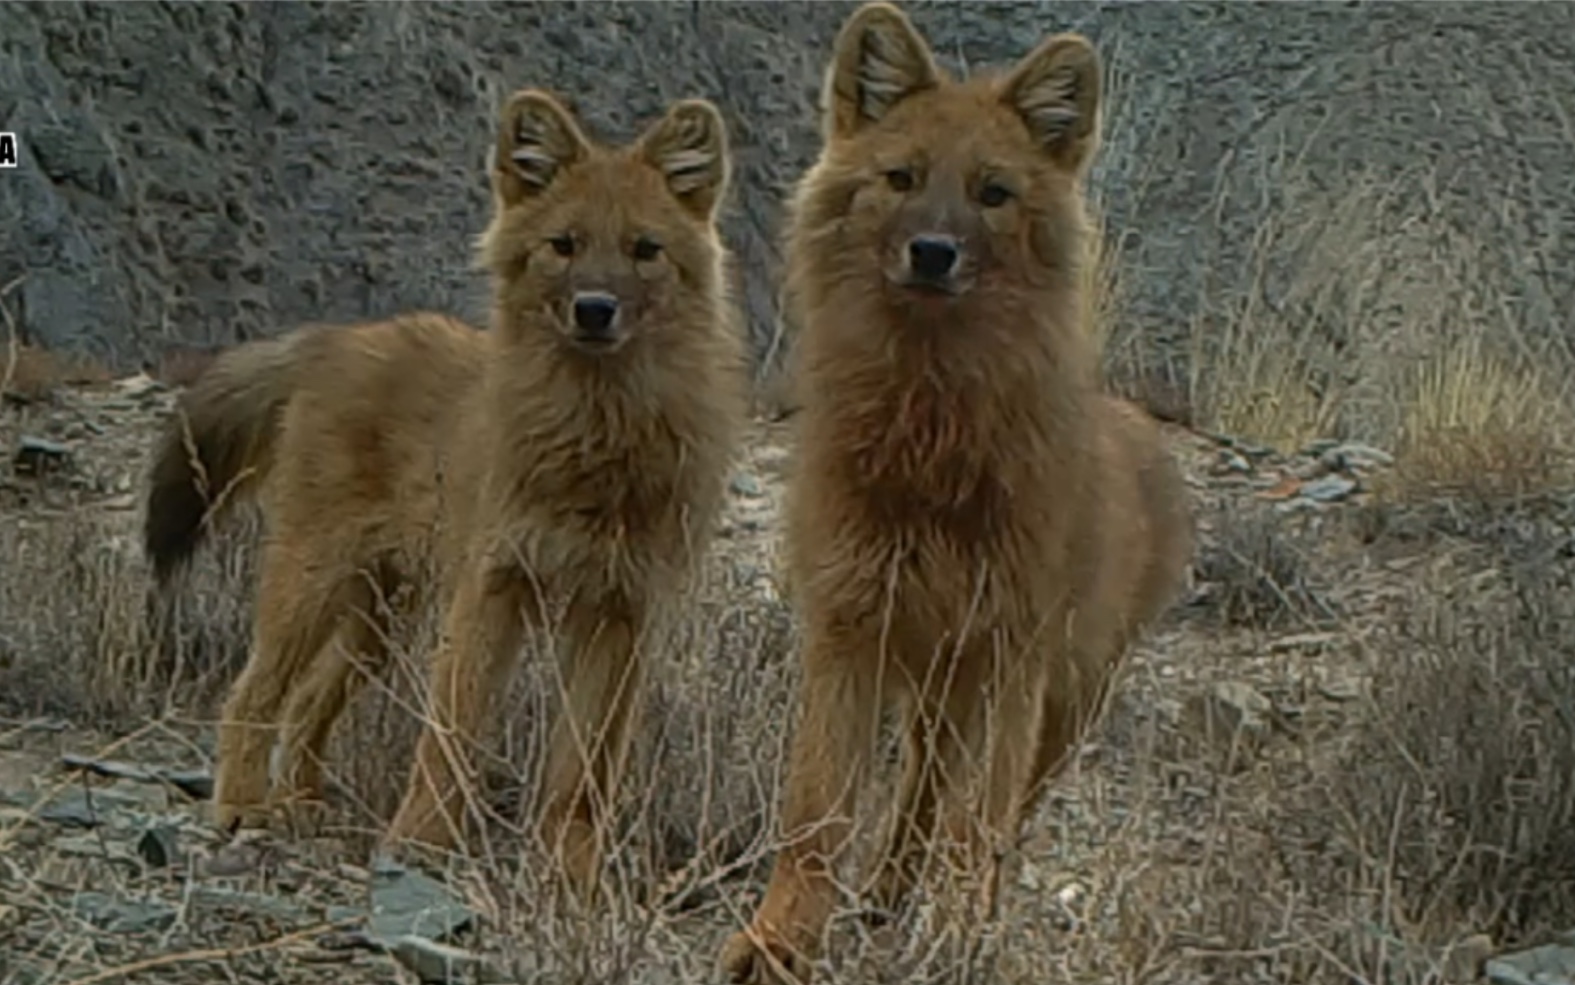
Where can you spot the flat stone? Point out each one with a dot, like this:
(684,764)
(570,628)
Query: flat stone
(257,904)
(1328,489)
(197,784)
(1354,456)
(79,808)
(747,486)
(405,902)
(122,916)
(35,455)
(1550,964)
(96,846)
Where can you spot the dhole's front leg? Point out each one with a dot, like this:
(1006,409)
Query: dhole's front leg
(482,633)
(826,769)
(1017,705)
(602,676)
(936,771)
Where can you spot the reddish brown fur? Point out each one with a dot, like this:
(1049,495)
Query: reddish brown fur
(975,530)
(557,485)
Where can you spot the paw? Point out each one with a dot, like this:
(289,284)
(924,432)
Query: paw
(759,957)
(301,814)
(231,816)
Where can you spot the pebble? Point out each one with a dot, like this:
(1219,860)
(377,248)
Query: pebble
(1328,489)
(1355,457)
(1550,964)
(747,486)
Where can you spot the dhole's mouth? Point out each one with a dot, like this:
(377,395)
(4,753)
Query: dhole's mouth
(930,289)
(596,344)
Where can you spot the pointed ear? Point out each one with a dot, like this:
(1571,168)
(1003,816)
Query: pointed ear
(537,140)
(689,147)
(1056,90)
(879,60)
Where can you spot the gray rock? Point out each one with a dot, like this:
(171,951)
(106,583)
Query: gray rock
(405,902)
(196,784)
(747,486)
(96,846)
(1550,964)
(216,171)
(35,456)
(1230,461)
(256,904)
(1328,489)
(122,916)
(1355,457)
(79,808)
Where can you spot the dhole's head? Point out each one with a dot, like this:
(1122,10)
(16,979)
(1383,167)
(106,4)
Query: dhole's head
(605,247)
(932,191)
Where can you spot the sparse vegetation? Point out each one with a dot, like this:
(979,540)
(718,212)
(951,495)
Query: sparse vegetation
(1479,424)
(1410,794)
(1260,572)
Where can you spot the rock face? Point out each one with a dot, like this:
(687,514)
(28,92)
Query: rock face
(208,173)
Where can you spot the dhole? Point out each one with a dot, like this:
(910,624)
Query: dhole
(561,470)
(974,531)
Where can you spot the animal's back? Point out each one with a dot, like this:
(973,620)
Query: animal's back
(377,428)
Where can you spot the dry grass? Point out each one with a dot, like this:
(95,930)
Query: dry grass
(1357,840)
(1366,322)
(1260,571)
(1483,425)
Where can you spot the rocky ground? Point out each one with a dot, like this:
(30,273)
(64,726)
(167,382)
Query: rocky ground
(1274,797)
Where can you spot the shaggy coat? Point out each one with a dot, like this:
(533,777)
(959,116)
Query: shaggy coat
(975,531)
(560,472)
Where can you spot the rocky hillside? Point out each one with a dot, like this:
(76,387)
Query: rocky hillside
(206,173)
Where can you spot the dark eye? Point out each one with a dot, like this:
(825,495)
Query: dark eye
(993,196)
(900,179)
(646,248)
(563,245)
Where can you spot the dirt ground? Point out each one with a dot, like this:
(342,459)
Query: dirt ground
(1347,756)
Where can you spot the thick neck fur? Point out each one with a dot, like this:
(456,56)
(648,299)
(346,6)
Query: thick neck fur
(936,407)
(623,430)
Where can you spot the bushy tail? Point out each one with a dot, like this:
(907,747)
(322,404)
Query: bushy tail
(217,447)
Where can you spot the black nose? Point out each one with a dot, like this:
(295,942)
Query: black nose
(594,313)
(932,258)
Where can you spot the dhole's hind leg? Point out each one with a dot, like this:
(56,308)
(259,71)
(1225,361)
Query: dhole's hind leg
(297,605)
(358,649)
(482,633)
(585,759)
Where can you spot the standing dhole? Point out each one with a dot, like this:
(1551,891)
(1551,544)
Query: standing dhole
(561,472)
(975,532)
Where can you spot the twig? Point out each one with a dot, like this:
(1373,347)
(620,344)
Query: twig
(208,954)
(12,346)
